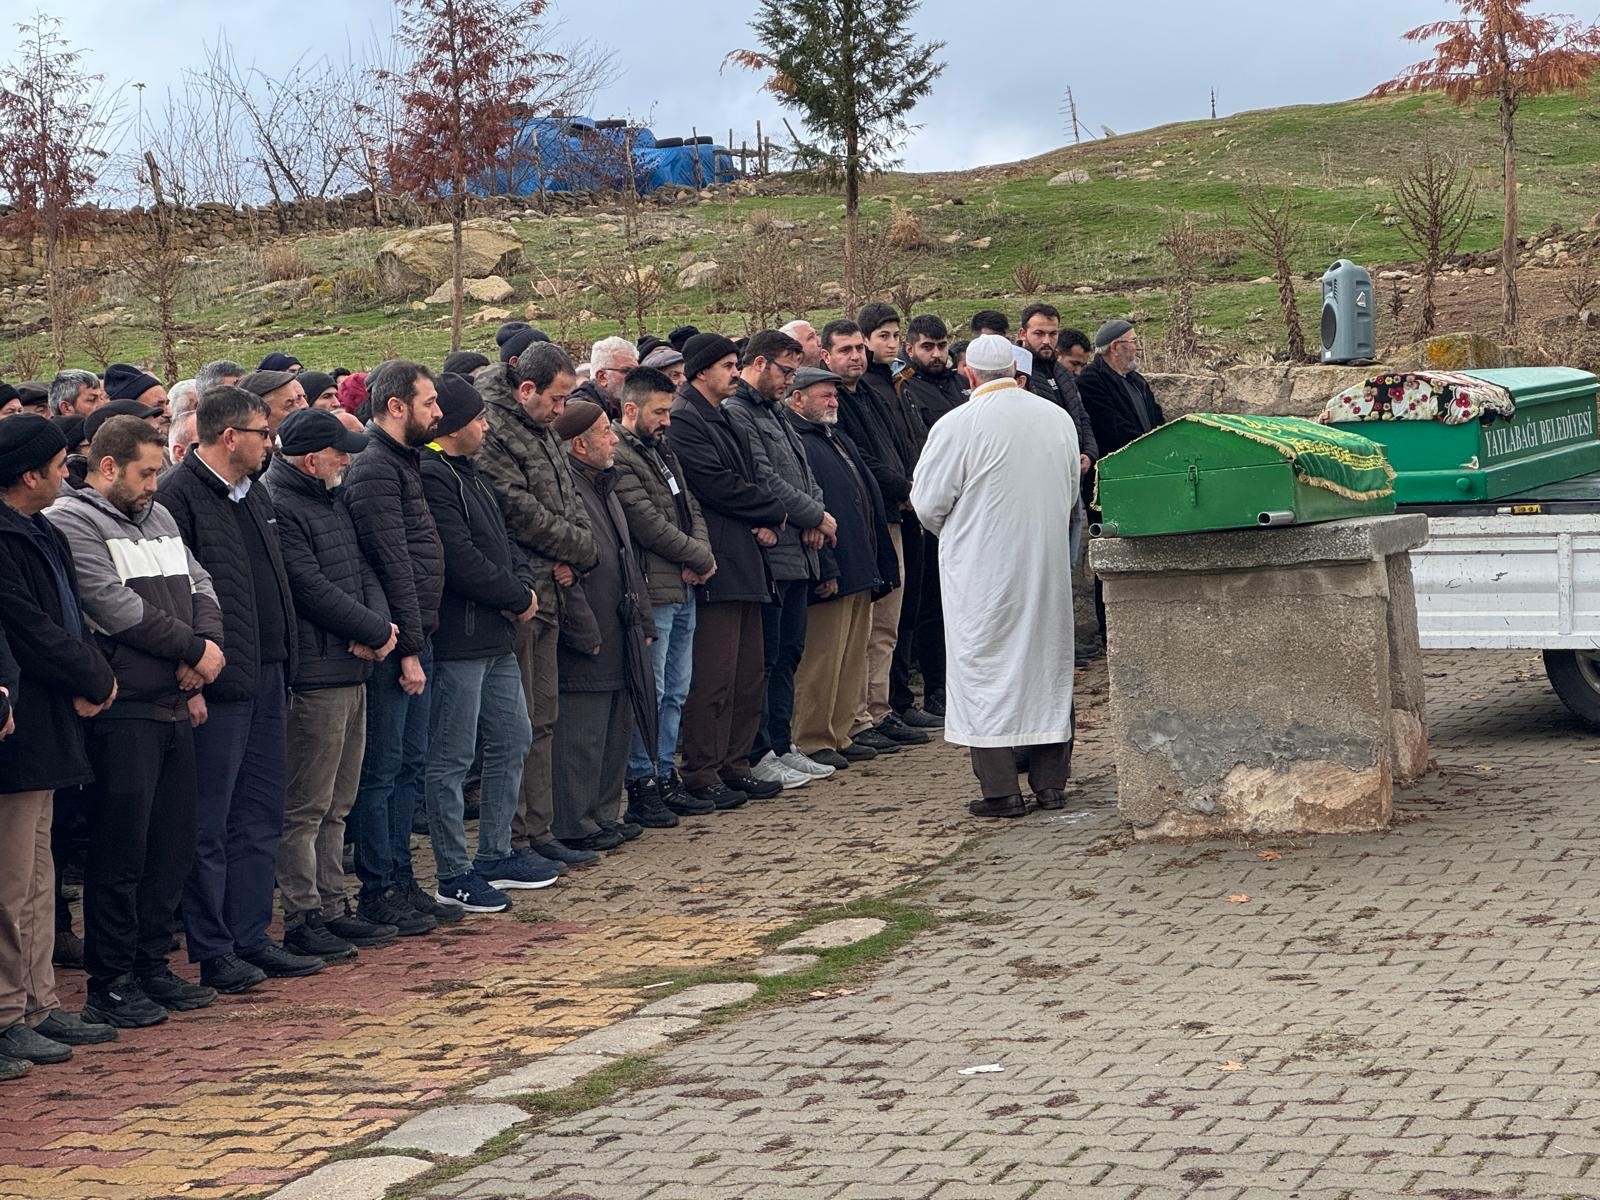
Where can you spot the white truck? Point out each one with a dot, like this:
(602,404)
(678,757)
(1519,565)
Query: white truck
(1519,574)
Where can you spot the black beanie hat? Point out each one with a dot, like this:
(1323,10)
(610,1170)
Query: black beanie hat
(509,328)
(459,402)
(117,408)
(8,393)
(464,362)
(27,442)
(704,350)
(125,382)
(680,336)
(518,341)
(315,383)
(646,344)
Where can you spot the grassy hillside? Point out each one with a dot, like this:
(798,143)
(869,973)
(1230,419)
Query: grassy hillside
(1092,246)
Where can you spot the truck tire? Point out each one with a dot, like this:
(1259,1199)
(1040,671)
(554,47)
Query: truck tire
(1575,675)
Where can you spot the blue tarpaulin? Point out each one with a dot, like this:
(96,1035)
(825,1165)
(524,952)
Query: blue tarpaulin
(564,154)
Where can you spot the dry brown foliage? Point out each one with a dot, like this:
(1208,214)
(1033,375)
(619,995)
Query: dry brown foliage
(1272,227)
(282,261)
(1435,197)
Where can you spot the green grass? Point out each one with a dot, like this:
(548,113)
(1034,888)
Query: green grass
(1341,161)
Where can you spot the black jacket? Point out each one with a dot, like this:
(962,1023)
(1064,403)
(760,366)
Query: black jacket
(483,572)
(1053,382)
(383,494)
(931,396)
(49,664)
(863,559)
(906,427)
(1112,412)
(337,599)
(781,464)
(864,424)
(589,390)
(720,472)
(607,616)
(198,501)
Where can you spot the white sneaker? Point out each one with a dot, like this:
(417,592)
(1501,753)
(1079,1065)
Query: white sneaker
(770,770)
(797,761)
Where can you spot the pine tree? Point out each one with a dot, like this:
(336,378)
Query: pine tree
(853,71)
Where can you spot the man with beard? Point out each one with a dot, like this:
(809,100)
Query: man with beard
(610,360)
(929,382)
(156,618)
(383,494)
(1051,380)
(240,740)
(343,628)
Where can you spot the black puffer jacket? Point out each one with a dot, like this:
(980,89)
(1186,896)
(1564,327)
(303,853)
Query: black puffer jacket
(781,464)
(336,595)
(863,558)
(1053,382)
(198,501)
(383,494)
(484,573)
(46,751)
(721,473)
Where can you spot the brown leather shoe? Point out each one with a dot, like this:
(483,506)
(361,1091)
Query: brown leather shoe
(998,806)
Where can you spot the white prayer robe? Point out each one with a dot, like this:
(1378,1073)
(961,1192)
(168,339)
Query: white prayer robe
(997,482)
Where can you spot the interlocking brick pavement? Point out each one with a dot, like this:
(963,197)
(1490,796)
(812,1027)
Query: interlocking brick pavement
(262,1088)
(1411,1013)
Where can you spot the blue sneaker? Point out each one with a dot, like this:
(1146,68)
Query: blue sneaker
(518,871)
(472,893)
(538,860)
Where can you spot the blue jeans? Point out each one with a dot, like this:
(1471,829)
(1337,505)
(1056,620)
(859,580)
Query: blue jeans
(673,656)
(472,695)
(391,776)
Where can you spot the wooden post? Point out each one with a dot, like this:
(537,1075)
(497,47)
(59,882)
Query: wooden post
(694,138)
(761,151)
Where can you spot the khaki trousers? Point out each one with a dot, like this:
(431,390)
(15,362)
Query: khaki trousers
(832,672)
(873,704)
(328,737)
(536,658)
(27,910)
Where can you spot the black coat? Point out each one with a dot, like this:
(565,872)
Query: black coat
(198,501)
(337,599)
(720,472)
(907,430)
(863,560)
(483,572)
(606,616)
(864,424)
(47,750)
(383,493)
(932,396)
(1053,382)
(1112,412)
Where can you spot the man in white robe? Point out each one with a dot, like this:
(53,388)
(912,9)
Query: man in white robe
(997,482)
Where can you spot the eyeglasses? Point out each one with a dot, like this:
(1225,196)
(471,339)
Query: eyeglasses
(263,432)
(787,371)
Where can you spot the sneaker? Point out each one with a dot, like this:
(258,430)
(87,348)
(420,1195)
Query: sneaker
(998,806)
(645,808)
(896,730)
(61,1026)
(874,740)
(275,961)
(677,799)
(310,937)
(175,994)
(121,1003)
(410,893)
(387,908)
(472,893)
(358,931)
(32,1046)
(832,758)
(934,705)
(562,853)
(230,974)
(68,950)
(804,764)
(917,718)
(519,872)
(625,829)
(858,751)
(540,862)
(721,797)
(772,770)
(13,1068)
(605,839)
(756,789)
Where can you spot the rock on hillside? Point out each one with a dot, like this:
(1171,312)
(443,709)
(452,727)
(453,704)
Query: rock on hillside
(417,261)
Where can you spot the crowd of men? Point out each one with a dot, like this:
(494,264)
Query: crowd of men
(261,626)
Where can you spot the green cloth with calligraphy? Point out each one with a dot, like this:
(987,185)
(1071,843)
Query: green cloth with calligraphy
(1344,463)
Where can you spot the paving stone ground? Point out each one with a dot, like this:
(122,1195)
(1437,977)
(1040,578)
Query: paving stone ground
(1413,1013)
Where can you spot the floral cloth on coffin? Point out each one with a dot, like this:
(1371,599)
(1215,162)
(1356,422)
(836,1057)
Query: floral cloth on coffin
(1443,396)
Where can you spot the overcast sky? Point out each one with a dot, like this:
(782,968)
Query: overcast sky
(1131,65)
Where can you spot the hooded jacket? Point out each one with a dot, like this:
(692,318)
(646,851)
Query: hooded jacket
(527,467)
(147,599)
(51,658)
(781,464)
(337,599)
(863,558)
(650,486)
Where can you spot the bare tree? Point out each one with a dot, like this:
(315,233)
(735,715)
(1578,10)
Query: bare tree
(156,267)
(1272,228)
(198,143)
(1435,196)
(1187,246)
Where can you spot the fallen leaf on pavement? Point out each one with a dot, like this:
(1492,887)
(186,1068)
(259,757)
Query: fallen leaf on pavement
(1269,856)
(1230,1066)
(702,888)
(1238,898)
(834,993)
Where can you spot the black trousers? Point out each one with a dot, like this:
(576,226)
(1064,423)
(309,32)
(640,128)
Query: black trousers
(930,622)
(901,696)
(996,768)
(783,634)
(723,708)
(141,843)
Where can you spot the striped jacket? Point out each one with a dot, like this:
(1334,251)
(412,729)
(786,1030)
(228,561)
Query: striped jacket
(148,602)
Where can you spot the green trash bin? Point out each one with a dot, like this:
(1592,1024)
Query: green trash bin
(1207,471)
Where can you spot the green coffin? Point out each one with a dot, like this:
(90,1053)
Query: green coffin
(1552,437)
(1220,471)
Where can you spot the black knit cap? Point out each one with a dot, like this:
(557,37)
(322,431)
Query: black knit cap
(8,393)
(706,350)
(464,362)
(315,383)
(680,336)
(117,408)
(646,344)
(27,442)
(127,382)
(520,340)
(71,428)
(459,402)
(505,331)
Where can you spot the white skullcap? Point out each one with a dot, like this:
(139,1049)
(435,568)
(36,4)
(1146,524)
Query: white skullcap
(991,352)
(1024,358)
